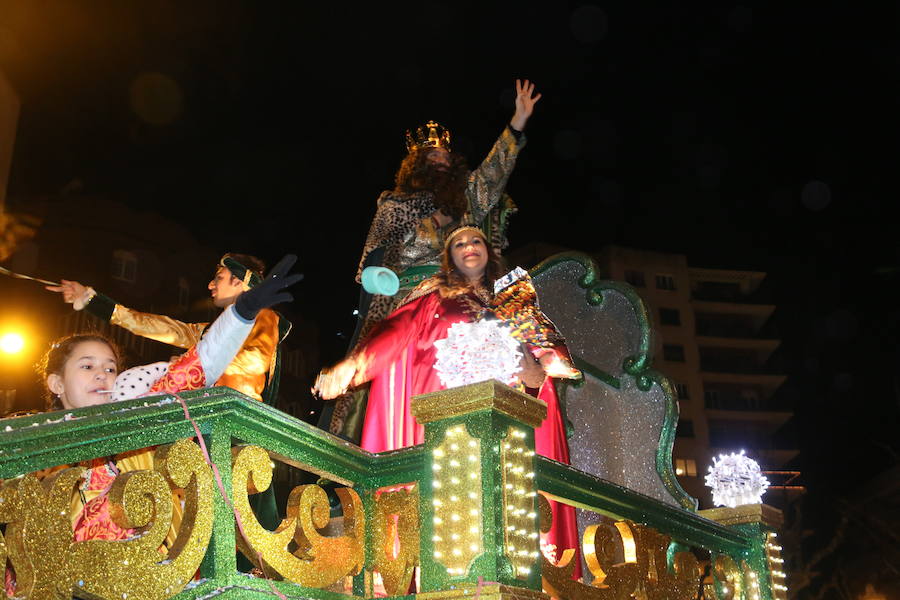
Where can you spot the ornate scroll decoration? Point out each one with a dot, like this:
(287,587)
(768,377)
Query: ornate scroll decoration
(626,561)
(142,500)
(520,538)
(39,532)
(457,500)
(396,519)
(48,564)
(727,580)
(317,561)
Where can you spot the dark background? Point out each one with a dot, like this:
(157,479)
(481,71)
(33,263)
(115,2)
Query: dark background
(753,136)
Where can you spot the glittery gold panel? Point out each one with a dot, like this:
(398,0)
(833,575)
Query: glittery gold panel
(728,581)
(747,513)
(456,480)
(318,561)
(40,533)
(49,565)
(395,538)
(134,569)
(520,536)
(626,561)
(479,396)
(485,592)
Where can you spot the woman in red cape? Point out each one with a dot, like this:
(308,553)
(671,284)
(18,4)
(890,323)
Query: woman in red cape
(399,355)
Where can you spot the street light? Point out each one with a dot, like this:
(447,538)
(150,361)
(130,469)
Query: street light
(12,343)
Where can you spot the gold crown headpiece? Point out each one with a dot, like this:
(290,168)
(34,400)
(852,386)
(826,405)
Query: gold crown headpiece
(429,135)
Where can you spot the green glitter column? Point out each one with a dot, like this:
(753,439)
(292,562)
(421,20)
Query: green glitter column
(479,524)
(761,564)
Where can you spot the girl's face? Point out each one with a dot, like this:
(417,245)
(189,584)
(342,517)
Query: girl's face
(91,367)
(469,254)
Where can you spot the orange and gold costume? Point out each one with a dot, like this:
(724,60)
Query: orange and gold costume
(250,370)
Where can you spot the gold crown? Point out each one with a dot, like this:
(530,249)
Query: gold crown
(429,135)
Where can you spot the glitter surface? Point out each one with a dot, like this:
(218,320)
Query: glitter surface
(616,431)
(395,538)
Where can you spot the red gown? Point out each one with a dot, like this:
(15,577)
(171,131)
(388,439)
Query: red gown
(398,358)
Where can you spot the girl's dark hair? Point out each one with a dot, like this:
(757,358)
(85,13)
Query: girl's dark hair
(453,283)
(54,360)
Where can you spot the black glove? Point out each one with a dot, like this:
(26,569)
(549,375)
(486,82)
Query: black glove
(270,292)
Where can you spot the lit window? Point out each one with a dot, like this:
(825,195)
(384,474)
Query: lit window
(686,467)
(665,282)
(124,266)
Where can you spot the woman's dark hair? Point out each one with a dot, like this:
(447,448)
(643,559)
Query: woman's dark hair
(453,283)
(54,360)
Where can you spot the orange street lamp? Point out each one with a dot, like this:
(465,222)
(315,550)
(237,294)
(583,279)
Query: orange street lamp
(12,343)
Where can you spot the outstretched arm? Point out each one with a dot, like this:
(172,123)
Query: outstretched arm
(156,327)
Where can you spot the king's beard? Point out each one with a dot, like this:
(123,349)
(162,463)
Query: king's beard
(448,187)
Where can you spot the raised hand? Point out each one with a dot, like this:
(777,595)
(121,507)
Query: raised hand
(270,292)
(71,291)
(525,101)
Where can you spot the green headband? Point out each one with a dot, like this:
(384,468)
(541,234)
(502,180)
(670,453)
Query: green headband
(250,278)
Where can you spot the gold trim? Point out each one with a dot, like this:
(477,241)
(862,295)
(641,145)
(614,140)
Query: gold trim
(487,592)
(748,513)
(484,395)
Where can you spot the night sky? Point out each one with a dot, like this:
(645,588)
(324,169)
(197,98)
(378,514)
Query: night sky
(755,136)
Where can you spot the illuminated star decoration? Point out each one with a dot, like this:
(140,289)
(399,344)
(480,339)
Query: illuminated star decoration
(479,351)
(735,479)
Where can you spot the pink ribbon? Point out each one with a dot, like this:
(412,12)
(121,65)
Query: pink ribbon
(224,494)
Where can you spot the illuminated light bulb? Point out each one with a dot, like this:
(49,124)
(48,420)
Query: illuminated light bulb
(454,537)
(438,520)
(454,446)
(525,570)
(529,453)
(454,517)
(436,483)
(534,555)
(459,429)
(473,475)
(508,486)
(532,515)
(473,547)
(511,528)
(438,452)
(437,502)
(454,499)
(507,445)
(533,535)
(474,512)
(473,495)
(472,458)
(472,443)
(474,530)
(522,532)
(437,554)
(454,481)
(512,548)
(457,552)
(435,467)
(531,494)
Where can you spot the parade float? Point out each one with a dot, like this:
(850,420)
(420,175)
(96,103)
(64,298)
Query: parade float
(458,517)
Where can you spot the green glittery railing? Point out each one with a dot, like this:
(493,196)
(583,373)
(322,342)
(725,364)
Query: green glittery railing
(227,418)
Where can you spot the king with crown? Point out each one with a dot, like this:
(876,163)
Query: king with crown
(435,193)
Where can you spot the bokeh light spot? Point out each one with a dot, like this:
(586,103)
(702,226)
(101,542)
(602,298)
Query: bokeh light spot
(12,343)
